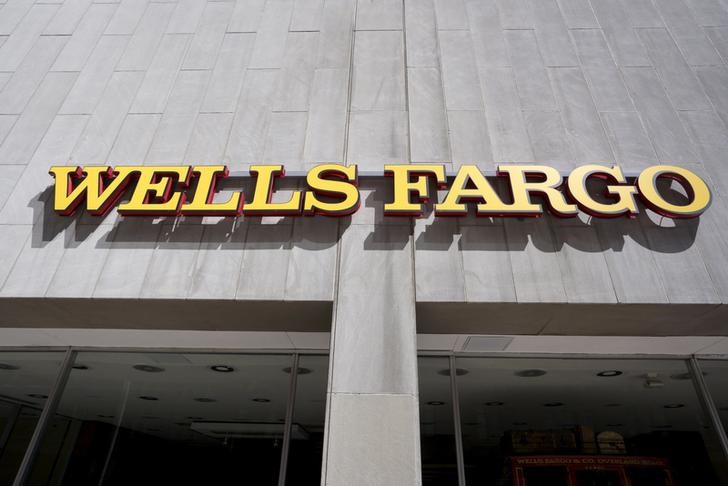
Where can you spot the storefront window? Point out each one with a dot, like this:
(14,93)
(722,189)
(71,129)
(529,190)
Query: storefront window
(168,418)
(579,422)
(26,380)
(309,417)
(437,432)
(715,374)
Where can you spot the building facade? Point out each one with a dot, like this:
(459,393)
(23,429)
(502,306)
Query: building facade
(371,348)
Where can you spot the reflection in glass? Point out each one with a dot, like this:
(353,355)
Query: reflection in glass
(584,422)
(309,415)
(437,432)
(26,380)
(133,418)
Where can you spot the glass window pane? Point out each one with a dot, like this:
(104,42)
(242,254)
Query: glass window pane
(309,416)
(594,421)
(715,373)
(26,379)
(163,418)
(437,431)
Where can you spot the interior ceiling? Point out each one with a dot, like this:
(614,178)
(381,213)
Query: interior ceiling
(494,399)
(187,391)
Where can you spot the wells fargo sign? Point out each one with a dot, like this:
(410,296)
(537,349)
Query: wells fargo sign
(332,191)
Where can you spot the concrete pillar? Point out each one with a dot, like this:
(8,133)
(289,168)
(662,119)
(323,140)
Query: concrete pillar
(372,429)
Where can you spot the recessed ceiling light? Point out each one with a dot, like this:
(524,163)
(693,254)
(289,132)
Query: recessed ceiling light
(436,403)
(80,367)
(674,405)
(609,373)
(205,400)
(148,397)
(261,400)
(300,371)
(458,372)
(553,404)
(494,404)
(38,396)
(148,368)
(530,373)
(222,368)
(8,367)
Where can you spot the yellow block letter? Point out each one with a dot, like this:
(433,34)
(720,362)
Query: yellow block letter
(405,187)
(522,189)
(489,203)
(337,181)
(696,188)
(154,193)
(101,188)
(261,204)
(576,184)
(201,204)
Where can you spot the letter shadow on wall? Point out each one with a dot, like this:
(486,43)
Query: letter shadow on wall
(550,233)
(470,233)
(185,232)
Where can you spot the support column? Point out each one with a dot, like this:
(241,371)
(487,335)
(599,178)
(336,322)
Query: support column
(372,427)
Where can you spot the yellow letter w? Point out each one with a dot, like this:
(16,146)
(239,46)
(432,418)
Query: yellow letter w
(101,187)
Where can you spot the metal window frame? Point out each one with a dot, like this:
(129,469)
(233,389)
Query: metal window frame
(167,350)
(117,428)
(708,403)
(507,355)
(691,361)
(58,388)
(49,410)
(455,399)
(290,408)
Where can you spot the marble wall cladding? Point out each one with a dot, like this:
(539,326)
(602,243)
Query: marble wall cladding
(375,323)
(302,82)
(356,422)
